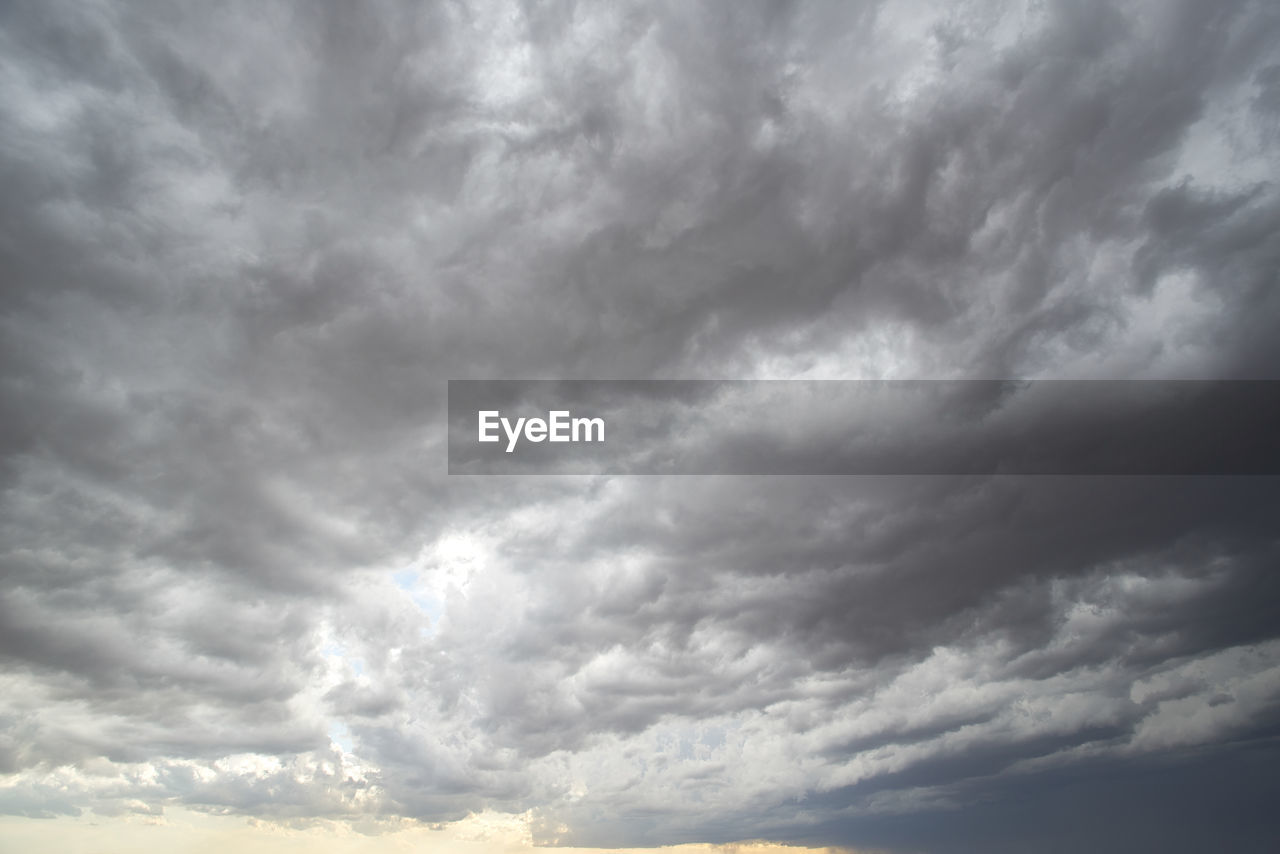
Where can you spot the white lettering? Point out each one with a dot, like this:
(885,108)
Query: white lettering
(588,424)
(512,435)
(488,423)
(559,426)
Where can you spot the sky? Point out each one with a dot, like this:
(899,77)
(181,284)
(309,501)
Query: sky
(245,245)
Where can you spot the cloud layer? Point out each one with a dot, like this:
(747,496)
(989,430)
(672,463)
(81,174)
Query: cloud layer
(244,249)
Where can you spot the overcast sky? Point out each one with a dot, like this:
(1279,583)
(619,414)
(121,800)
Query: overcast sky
(243,247)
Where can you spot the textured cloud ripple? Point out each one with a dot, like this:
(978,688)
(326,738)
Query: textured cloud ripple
(245,245)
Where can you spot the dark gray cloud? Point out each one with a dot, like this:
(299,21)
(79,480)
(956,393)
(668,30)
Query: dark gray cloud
(242,249)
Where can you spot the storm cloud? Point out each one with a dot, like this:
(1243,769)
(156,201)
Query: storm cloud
(244,247)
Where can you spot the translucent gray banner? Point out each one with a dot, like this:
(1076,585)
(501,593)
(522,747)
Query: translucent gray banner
(865,427)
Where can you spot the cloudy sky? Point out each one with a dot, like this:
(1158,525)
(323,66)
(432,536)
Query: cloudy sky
(244,246)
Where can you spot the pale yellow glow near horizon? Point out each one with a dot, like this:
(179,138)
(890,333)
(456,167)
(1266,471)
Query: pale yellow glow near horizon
(187,832)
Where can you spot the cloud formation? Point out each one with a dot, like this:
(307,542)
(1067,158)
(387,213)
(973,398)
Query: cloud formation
(244,249)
